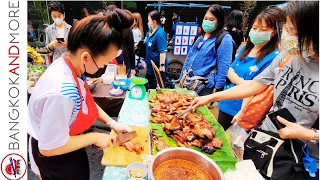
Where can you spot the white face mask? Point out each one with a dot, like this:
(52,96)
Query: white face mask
(58,21)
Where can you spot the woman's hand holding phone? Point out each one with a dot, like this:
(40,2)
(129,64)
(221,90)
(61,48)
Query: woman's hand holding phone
(294,130)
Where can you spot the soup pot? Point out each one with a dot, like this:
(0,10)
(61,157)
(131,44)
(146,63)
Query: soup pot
(186,154)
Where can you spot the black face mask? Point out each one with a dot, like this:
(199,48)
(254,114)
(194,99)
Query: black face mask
(97,74)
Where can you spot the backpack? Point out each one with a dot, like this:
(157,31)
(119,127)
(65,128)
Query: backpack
(219,40)
(234,51)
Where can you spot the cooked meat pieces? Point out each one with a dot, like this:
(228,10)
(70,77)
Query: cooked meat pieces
(156,109)
(178,104)
(174,125)
(161,145)
(186,134)
(202,130)
(172,97)
(161,117)
(209,148)
(187,123)
(197,142)
(217,143)
(167,97)
(180,141)
(195,118)
(134,145)
(187,130)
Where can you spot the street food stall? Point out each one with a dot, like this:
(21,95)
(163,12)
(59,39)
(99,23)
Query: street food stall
(165,128)
(160,131)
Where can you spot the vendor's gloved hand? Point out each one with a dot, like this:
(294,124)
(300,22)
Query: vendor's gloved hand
(118,127)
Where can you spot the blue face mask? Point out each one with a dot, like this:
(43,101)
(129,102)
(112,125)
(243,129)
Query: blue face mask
(208,26)
(259,37)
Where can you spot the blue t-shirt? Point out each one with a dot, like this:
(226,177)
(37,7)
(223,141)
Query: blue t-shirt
(246,69)
(155,44)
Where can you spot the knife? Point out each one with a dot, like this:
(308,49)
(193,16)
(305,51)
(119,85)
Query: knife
(122,138)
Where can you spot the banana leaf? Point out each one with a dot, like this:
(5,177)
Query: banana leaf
(224,157)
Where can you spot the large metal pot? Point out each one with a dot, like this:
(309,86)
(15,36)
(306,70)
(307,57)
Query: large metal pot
(186,154)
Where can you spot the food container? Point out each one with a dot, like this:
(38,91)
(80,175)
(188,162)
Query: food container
(186,154)
(108,77)
(122,69)
(112,68)
(137,165)
(121,77)
(123,84)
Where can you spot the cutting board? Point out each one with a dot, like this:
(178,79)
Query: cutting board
(120,156)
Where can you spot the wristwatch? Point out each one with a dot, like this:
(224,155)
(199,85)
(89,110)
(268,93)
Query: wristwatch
(316,136)
(161,64)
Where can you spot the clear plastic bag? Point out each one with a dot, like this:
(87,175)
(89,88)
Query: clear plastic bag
(245,170)
(237,137)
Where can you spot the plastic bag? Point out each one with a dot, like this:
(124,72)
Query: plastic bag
(237,137)
(245,170)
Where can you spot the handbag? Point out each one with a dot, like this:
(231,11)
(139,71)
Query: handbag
(258,107)
(274,157)
(192,82)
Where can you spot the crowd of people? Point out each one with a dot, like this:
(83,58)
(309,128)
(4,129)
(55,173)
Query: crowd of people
(291,67)
(281,52)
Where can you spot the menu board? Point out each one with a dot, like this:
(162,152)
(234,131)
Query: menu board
(184,38)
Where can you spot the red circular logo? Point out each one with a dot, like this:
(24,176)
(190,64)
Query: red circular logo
(13,166)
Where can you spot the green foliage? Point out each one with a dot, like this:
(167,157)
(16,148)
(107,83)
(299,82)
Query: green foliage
(247,7)
(107,3)
(42,11)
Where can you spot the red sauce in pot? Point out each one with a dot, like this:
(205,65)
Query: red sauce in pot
(179,169)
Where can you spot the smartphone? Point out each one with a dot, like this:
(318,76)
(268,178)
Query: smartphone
(60,40)
(284,113)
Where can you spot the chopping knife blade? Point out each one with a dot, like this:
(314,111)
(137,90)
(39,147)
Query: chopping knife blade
(122,138)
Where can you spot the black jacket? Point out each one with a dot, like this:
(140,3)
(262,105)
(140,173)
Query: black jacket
(127,55)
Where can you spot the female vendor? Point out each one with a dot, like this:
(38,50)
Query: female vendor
(156,48)
(61,107)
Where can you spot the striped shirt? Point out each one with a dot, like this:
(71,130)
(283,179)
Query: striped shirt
(54,106)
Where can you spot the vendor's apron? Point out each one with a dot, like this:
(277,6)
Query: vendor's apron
(73,165)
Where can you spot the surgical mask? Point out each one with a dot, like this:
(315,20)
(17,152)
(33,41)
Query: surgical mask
(58,21)
(259,37)
(97,74)
(150,26)
(208,26)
